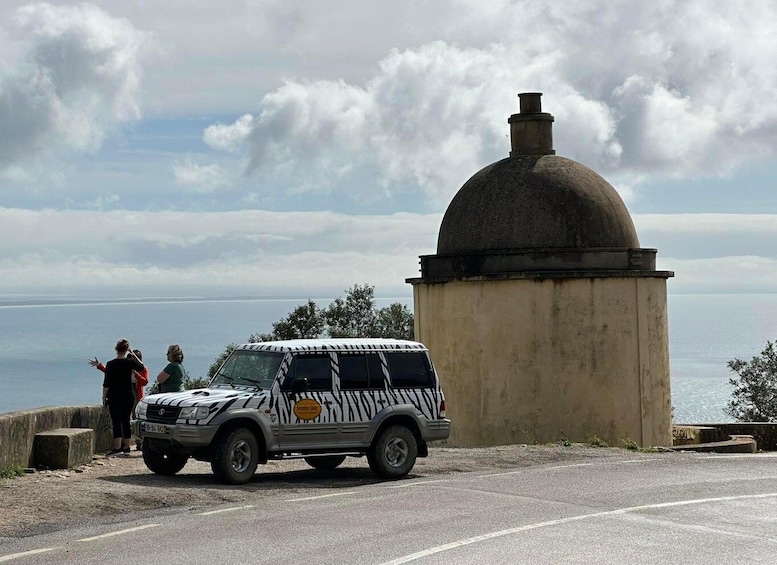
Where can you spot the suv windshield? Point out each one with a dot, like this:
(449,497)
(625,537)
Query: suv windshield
(246,367)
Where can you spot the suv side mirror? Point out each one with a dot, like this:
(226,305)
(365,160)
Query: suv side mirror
(299,385)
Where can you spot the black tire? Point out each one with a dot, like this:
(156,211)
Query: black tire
(325,462)
(234,456)
(393,453)
(162,462)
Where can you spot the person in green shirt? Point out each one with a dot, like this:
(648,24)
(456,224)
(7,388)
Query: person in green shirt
(170,379)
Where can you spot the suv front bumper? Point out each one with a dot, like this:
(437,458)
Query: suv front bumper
(183,434)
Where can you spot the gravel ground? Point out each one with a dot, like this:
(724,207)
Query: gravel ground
(114,487)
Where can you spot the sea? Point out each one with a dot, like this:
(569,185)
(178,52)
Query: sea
(45,343)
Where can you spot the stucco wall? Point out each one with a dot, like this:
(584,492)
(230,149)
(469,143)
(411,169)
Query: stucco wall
(534,361)
(18,429)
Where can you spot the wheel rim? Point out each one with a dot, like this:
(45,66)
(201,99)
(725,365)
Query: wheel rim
(397,452)
(241,457)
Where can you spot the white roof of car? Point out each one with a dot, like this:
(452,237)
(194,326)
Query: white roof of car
(335,343)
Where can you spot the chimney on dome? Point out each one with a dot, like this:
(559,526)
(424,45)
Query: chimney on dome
(531,131)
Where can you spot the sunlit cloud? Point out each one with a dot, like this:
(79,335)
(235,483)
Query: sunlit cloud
(654,100)
(199,177)
(74,77)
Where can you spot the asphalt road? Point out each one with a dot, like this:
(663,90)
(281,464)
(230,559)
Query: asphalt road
(684,509)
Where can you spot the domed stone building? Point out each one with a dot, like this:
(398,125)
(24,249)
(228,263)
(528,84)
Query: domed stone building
(544,317)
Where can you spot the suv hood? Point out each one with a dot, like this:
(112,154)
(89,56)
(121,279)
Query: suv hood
(203,396)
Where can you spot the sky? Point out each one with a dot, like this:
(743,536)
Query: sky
(298,147)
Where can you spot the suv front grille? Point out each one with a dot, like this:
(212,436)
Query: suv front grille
(162,414)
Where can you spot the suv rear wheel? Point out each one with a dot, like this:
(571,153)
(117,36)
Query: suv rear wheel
(161,462)
(393,453)
(325,462)
(234,456)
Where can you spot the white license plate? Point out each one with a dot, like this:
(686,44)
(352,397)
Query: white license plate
(153,428)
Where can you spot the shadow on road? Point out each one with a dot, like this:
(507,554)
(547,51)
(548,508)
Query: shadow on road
(345,477)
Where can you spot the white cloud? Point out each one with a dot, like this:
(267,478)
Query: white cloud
(259,252)
(329,105)
(256,251)
(204,178)
(255,275)
(422,119)
(635,95)
(741,274)
(723,224)
(229,137)
(74,76)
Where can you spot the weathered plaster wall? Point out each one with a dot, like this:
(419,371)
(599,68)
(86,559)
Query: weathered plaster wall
(534,361)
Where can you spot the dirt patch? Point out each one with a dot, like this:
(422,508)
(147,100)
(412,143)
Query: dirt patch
(113,487)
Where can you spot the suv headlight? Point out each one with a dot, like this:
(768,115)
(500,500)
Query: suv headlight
(140,409)
(194,412)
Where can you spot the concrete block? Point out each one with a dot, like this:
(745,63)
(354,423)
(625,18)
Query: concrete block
(687,435)
(63,448)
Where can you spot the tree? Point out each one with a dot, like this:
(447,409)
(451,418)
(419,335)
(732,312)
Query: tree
(755,391)
(395,321)
(354,316)
(305,321)
(219,361)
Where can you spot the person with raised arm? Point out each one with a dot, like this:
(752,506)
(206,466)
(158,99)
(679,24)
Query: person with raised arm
(139,378)
(119,394)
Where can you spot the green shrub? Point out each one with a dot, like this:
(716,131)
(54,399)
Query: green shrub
(630,444)
(596,441)
(11,471)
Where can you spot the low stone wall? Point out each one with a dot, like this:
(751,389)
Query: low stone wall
(764,433)
(18,429)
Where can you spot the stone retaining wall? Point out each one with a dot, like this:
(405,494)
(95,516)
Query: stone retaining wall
(764,433)
(18,429)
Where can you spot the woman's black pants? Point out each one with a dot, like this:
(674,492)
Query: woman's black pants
(121,411)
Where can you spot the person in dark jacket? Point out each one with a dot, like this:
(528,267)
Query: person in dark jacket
(119,394)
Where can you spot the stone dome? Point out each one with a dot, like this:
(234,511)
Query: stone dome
(535,202)
(535,199)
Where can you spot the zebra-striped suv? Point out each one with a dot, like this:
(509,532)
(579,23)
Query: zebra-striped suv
(317,399)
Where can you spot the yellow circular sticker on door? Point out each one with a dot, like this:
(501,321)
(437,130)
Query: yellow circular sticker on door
(307,409)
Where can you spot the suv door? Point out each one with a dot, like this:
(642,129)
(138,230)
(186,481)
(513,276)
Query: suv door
(362,384)
(308,415)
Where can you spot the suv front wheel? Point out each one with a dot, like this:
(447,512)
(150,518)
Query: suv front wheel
(393,453)
(234,456)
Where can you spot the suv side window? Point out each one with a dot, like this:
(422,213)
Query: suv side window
(360,371)
(409,370)
(316,368)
